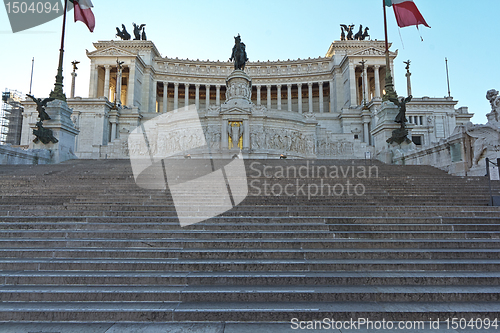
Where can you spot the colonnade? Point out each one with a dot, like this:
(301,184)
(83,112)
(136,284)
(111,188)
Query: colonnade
(273,95)
(99,88)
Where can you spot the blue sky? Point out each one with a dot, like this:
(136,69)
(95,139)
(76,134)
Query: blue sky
(462,31)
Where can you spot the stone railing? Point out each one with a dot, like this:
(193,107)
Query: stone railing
(15,155)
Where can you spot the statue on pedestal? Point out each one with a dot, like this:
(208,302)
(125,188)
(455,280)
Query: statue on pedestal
(235,131)
(400,135)
(40,106)
(494,116)
(239,54)
(401,116)
(44,135)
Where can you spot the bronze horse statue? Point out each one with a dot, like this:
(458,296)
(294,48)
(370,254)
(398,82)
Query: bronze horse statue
(361,35)
(239,54)
(123,34)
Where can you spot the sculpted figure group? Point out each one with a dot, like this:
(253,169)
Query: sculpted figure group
(139,32)
(346,32)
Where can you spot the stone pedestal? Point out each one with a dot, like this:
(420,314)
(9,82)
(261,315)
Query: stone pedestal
(238,90)
(63,130)
(236,108)
(383,131)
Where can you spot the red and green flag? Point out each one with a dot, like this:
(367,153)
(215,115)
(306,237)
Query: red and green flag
(83,12)
(406,13)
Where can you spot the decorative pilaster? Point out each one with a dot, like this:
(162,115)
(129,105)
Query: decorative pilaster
(131,84)
(113,131)
(258,95)
(365,83)
(352,84)
(94,77)
(224,137)
(246,135)
(119,85)
(217,95)
(366,132)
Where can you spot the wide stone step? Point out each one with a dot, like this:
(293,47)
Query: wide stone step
(297,265)
(250,214)
(255,226)
(248,234)
(241,293)
(242,311)
(236,254)
(125,278)
(296,243)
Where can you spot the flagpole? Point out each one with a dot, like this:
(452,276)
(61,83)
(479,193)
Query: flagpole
(389,86)
(447,76)
(32,66)
(58,93)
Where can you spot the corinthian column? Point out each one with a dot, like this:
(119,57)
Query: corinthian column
(107,71)
(310,96)
(299,87)
(207,96)
(268,97)
(321,109)
(165,96)
(279,96)
(289,96)
(377,80)
(176,95)
(186,94)
(197,96)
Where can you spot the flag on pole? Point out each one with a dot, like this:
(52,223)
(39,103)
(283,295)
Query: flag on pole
(83,12)
(406,13)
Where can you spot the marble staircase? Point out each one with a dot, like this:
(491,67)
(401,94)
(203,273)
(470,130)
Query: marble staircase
(80,241)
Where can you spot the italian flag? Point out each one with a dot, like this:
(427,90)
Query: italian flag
(83,12)
(406,13)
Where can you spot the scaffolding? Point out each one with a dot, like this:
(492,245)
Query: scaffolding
(11,117)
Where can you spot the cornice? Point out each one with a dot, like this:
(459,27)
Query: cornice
(350,45)
(129,45)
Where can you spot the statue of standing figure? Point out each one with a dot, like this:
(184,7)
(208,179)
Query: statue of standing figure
(401,116)
(239,54)
(235,132)
(40,106)
(400,135)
